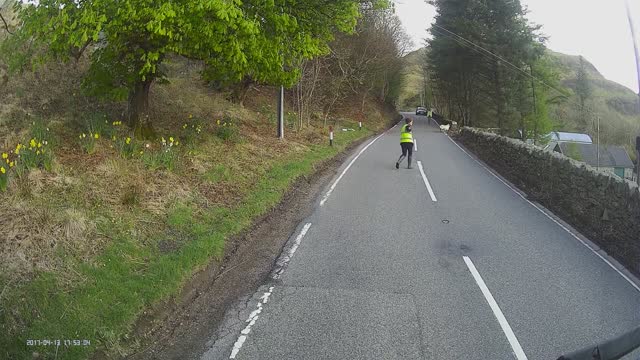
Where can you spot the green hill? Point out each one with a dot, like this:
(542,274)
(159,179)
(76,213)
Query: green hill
(410,95)
(616,105)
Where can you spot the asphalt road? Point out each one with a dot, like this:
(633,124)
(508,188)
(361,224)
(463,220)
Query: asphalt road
(381,271)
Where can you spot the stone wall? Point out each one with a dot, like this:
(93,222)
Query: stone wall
(601,206)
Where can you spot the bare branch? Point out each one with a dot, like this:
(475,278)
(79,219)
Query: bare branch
(6,25)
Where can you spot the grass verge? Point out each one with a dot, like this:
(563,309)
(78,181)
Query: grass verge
(113,289)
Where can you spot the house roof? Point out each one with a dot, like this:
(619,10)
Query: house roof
(610,156)
(572,137)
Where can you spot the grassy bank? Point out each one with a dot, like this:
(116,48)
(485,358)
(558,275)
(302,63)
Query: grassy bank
(124,233)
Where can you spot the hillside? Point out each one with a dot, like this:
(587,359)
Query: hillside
(616,104)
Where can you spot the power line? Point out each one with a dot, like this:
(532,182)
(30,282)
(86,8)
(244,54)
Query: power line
(498,57)
(465,42)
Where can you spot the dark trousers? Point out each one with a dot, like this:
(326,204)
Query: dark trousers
(407,149)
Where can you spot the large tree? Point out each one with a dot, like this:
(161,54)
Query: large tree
(478,56)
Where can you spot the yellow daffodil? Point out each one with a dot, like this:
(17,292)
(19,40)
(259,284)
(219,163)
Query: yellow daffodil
(39,145)
(177,142)
(84,135)
(190,116)
(128,141)
(141,152)
(11,164)
(38,152)
(184,126)
(2,170)
(5,155)
(97,136)
(32,143)
(218,122)
(171,139)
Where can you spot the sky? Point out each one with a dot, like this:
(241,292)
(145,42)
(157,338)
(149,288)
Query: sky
(596,29)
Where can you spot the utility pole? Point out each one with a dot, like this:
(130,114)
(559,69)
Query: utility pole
(638,159)
(635,47)
(535,108)
(281,113)
(598,141)
(637,52)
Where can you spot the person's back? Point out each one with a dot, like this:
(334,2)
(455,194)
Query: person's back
(406,143)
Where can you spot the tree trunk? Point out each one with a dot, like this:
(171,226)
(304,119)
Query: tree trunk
(240,91)
(138,110)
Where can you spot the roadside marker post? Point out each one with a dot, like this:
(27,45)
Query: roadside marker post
(360,124)
(330,135)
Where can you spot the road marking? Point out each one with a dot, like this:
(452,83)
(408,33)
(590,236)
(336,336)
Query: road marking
(426,182)
(253,317)
(504,324)
(284,259)
(326,197)
(415,145)
(574,235)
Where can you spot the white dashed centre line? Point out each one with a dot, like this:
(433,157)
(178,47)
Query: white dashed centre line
(504,324)
(426,182)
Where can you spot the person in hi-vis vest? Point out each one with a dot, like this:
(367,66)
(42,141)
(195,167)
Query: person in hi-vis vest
(406,142)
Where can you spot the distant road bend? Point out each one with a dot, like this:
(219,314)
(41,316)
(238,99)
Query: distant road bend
(444,261)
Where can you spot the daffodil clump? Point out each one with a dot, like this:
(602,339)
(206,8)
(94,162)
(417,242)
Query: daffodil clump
(36,153)
(192,129)
(227,130)
(88,141)
(7,163)
(127,146)
(163,157)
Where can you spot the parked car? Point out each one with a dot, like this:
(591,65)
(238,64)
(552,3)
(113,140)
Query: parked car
(421,110)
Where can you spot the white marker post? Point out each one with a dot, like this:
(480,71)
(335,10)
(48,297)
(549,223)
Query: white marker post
(330,135)
(360,124)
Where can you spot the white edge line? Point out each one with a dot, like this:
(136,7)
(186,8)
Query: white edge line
(550,218)
(326,197)
(426,182)
(285,258)
(504,324)
(253,318)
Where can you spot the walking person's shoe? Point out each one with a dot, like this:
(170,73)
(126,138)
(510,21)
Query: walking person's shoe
(397,165)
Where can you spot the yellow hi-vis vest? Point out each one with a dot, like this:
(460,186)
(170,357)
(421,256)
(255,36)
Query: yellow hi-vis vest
(405,136)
